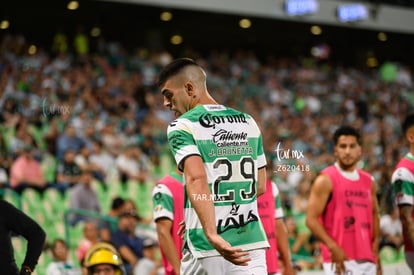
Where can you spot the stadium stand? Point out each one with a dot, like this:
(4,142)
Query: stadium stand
(48,90)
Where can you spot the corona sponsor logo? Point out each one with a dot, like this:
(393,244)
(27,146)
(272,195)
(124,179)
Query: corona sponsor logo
(210,121)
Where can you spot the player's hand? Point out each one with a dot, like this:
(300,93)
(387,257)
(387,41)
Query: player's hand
(234,255)
(181,229)
(289,270)
(338,257)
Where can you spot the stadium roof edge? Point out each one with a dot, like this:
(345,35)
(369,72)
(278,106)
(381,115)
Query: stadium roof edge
(381,17)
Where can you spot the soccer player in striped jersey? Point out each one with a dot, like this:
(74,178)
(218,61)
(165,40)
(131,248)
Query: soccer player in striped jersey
(168,202)
(403,181)
(220,152)
(272,216)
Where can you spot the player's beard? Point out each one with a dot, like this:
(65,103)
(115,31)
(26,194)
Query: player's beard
(347,163)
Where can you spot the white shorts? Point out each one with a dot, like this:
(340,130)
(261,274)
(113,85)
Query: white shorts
(352,268)
(409,258)
(217,265)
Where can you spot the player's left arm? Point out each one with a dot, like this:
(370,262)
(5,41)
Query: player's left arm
(375,226)
(282,238)
(197,186)
(283,246)
(407,221)
(163,226)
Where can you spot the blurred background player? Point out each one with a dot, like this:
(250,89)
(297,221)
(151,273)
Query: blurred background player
(403,181)
(168,201)
(343,212)
(271,215)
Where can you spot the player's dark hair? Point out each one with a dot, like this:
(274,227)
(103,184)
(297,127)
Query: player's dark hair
(347,130)
(407,123)
(173,69)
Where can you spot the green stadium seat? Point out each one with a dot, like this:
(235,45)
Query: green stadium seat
(75,235)
(31,200)
(13,197)
(144,199)
(54,202)
(44,260)
(19,247)
(103,197)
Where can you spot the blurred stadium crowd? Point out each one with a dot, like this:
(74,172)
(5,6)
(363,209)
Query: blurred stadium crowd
(75,110)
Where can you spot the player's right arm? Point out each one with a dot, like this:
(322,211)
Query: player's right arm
(318,199)
(261,188)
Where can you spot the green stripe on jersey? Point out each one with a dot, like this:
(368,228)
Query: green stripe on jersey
(409,157)
(236,236)
(163,204)
(404,187)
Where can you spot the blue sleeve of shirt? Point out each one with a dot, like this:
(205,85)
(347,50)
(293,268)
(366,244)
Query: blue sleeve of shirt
(120,239)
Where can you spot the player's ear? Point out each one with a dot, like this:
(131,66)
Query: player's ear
(410,136)
(189,88)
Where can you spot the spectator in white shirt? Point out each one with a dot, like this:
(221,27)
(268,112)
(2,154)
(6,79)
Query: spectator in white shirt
(132,165)
(391,229)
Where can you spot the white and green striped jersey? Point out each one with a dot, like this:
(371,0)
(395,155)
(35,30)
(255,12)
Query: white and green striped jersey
(230,145)
(163,202)
(403,180)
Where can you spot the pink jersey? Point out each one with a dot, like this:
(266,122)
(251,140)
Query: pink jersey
(404,195)
(348,215)
(266,206)
(176,188)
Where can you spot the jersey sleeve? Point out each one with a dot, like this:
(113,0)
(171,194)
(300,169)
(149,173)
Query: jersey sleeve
(181,141)
(403,183)
(162,201)
(261,158)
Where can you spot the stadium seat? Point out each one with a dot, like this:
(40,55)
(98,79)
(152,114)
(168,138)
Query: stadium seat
(11,196)
(103,197)
(75,235)
(19,247)
(53,201)
(144,200)
(31,201)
